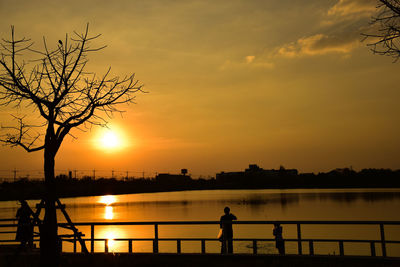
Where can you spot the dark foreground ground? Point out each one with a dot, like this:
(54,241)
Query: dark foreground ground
(195,260)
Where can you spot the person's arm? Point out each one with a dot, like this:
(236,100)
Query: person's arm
(233,217)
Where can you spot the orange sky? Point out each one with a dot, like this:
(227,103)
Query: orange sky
(230,83)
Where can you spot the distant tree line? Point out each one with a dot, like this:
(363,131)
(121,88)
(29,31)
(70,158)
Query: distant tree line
(338,178)
(71,187)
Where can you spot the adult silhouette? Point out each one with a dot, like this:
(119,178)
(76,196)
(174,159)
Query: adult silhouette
(279,242)
(25,225)
(227,231)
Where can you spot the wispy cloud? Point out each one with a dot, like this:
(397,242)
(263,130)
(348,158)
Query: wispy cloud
(359,8)
(319,44)
(248,62)
(250,59)
(339,32)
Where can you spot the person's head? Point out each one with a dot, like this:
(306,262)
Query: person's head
(227,210)
(277,225)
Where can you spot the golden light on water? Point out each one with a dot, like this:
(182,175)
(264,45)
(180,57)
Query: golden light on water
(111,233)
(110,238)
(109,214)
(108,199)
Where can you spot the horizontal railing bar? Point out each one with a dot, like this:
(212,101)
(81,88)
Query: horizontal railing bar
(239,239)
(218,222)
(120,239)
(15,241)
(8,225)
(234,222)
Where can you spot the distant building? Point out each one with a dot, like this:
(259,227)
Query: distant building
(172,178)
(253,174)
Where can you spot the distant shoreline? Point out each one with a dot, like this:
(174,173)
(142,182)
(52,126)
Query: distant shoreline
(65,188)
(252,178)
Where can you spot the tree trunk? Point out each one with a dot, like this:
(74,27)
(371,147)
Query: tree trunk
(49,244)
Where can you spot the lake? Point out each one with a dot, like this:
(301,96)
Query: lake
(208,205)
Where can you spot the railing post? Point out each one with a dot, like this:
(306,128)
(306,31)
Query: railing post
(311,246)
(341,248)
(383,243)
(74,243)
(155,242)
(372,245)
(178,246)
(254,246)
(300,249)
(106,246)
(203,246)
(60,245)
(92,238)
(130,245)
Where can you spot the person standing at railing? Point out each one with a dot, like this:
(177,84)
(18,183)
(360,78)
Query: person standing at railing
(227,231)
(279,242)
(25,225)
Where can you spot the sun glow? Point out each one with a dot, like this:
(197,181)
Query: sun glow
(111,139)
(109,213)
(108,199)
(110,240)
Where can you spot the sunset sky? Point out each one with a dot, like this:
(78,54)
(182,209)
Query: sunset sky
(272,82)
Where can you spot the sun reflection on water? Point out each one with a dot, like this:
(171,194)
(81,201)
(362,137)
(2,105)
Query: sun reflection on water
(110,234)
(108,199)
(109,214)
(111,242)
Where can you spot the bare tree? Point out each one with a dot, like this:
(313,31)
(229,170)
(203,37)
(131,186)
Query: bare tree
(57,87)
(385,36)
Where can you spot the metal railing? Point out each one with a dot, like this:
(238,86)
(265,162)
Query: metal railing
(155,239)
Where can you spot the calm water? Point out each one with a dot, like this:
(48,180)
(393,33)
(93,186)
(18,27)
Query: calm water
(309,204)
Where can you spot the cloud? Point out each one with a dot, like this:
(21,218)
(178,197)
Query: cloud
(319,44)
(250,59)
(345,8)
(247,62)
(339,31)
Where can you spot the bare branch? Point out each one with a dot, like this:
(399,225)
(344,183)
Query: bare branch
(22,136)
(59,88)
(385,35)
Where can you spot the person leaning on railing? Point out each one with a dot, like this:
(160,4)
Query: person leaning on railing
(227,231)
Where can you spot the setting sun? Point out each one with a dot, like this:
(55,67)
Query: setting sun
(110,140)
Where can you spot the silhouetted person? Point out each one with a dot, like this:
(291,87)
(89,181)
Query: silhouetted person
(25,225)
(227,231)
(279,242)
